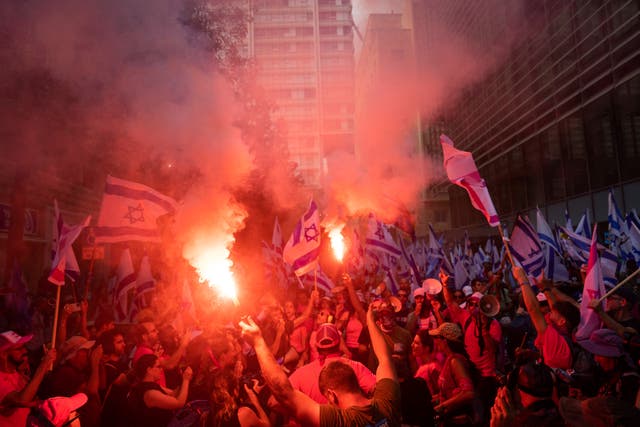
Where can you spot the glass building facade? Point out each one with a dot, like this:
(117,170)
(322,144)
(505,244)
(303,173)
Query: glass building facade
(557,124)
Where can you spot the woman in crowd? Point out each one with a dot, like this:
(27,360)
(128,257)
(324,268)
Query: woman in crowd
(228,408)
(425,360)
(151,404)
(456,401)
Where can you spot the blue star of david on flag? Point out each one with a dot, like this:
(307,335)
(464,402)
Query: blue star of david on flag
(135,214)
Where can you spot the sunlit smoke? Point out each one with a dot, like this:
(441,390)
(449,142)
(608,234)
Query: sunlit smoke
(337,242)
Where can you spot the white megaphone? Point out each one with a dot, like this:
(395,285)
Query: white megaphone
(432,286)
(489,305)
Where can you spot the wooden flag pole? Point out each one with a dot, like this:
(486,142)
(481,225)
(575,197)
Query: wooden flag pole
(55,317)
(616,287)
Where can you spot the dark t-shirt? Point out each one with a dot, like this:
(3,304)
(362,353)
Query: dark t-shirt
(384,409)
(142,415)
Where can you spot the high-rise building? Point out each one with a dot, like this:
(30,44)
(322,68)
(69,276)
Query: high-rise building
(304,52)
(556,124)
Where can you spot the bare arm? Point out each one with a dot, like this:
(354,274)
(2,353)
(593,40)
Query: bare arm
(452,304)
(386,368)
(303,407)
(460,373)
(28,393)
(530,300)
(307,311)
(158,399)
(609,321)
(247,417)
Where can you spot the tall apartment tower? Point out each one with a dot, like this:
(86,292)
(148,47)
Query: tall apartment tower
(304,52)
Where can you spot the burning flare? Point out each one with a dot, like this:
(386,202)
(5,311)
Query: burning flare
(337,242)
(213,265)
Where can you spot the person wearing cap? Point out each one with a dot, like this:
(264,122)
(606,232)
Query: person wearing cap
(617,376)
(456,389)
(348,403)
(526,401)
(617,314)
(422,316)
(555,329)
(78,372)
(17,390)
(305,378)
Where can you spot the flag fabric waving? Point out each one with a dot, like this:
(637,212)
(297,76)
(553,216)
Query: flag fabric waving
(379,238)
(593,289)
(544,232)
(125,284)
(462,171)
(303,247)
(63,256)
(129,211)
(526,247)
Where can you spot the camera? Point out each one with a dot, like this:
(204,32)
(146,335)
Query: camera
(75,307)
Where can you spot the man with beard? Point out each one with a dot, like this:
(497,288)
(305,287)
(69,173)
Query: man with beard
(17,391)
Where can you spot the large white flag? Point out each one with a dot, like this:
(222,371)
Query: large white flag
(129,211)
(63,256)
(462,171)
(593,289)
(303,247)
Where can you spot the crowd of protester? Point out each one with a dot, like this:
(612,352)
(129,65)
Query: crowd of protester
(486,354)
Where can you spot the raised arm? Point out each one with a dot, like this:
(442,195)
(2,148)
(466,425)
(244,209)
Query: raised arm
(25,396)
(452,304)
(303,407)
(530,300)
(307,311)
(386,368)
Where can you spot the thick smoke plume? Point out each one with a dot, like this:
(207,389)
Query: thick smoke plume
(388,170)
(143,93)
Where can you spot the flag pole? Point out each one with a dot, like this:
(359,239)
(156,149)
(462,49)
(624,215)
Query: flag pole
(55,317)
(506,245)
(90,272)
(616,287)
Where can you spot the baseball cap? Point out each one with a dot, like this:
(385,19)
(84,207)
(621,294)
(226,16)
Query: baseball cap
(327,336)
(476,296)
(467,290)
(541,297)
(447,330)
(604,342)
(75,344)
(58,409)
(10,339)
(419,292)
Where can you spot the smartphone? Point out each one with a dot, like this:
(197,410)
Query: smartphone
(73,307)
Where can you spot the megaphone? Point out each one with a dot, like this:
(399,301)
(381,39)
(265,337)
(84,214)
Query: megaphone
(489,305)
(432,286)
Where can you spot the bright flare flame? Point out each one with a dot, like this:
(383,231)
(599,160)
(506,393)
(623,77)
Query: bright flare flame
(337,242)
(214,267)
